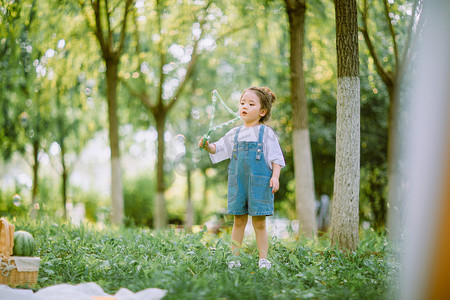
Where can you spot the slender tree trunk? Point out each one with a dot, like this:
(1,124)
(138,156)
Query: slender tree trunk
(189,206)
(190,217)
(34,189)
(345,208)
(64,177)
(111,43)
(160,213)
(205,193)
(392,147)
(62,133)
(117,208)
(304,175)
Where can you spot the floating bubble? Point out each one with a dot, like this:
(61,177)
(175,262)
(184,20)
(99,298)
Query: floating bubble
(17,200)
(180,138)
(23,119)
(195,114)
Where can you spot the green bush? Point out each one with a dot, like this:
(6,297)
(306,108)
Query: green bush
(138,197)
(95,204)
(373,196)
(49,197)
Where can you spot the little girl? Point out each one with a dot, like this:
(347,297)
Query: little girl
(256,160)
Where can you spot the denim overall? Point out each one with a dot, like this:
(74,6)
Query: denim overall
(249,190)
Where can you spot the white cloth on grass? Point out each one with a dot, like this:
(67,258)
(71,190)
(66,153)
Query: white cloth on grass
(82,291)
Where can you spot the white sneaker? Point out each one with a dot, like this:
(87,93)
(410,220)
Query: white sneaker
(264,264)
(234,264)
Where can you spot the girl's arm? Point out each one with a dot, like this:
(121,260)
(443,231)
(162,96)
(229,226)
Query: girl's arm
(274,181)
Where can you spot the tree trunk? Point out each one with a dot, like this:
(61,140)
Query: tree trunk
(190,214)
(117,207)
(64,178)
(189,205)
(160,213)
(394,197)
(111,44)
(345,218)
(304,176)
(34,189)
(205,200)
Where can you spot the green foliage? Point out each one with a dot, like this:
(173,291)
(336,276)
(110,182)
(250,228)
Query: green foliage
(139,196)
(374,139)
(373,196)
(7,206)
(194,265)
(95,205)
(245,43)
(48,198)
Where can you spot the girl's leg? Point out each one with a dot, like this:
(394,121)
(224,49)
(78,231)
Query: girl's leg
(259,224)
(237,234)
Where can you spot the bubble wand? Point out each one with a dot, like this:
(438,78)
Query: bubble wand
(215,95)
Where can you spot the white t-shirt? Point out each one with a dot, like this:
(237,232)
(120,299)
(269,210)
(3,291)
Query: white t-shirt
(271,147)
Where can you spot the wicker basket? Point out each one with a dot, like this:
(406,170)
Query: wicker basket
(10,275)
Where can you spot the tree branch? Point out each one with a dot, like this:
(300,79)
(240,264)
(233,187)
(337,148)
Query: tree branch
(392,31)
(233,30)
(138,47)
(98,31)
(143,96)
(189,70)
(124,26)
(32,14)
(406,55)
(108,22)
(191,64)
(138,41)
(86,17)
(162,59)
(385,76)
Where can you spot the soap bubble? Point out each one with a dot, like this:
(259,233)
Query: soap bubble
(17,200)
(196,114)
(180,138)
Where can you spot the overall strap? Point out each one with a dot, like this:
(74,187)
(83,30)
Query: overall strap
(259,149)
(234,154)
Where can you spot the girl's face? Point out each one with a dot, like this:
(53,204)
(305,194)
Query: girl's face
(250,109)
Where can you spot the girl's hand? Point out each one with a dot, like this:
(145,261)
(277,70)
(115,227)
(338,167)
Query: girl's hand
(274,184)
(200,144)
(210,148)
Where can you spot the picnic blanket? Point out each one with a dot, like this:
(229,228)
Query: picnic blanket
(82,291)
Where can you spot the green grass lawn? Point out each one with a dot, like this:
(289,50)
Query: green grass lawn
(194,265)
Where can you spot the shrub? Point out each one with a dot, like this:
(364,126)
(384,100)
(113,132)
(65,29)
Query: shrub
(138,197)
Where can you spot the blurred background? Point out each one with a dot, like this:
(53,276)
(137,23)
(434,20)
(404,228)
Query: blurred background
(87,87)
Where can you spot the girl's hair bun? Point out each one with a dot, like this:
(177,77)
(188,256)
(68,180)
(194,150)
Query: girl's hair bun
(271,95)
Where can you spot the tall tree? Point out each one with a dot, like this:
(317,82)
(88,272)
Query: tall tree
(161,107)
(398,29)
(345,217)
(174,72)
(304,176)
(111,44)
(35,109)
(75,120)
(10,31)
